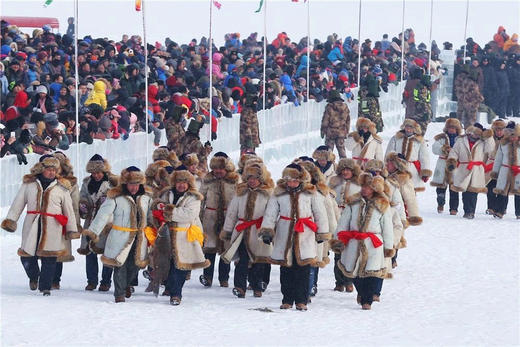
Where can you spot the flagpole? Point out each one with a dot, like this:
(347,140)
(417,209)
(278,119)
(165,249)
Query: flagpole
(466,30)
(76,75)
(145,82)
(264,68)
(308,69)
(210,51)
(359,48)
(402,44)
(431,27)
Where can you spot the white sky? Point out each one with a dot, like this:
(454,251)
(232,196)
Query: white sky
(182,20)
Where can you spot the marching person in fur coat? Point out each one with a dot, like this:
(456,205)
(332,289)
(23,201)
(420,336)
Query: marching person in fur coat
(324,160)
(294,221)
(181,212)
(364,237)
(410,143)
(243,220)
(345,184)
(218,188)
(495,201)
(442,178)
(126,247)
(328,199)
(364,143)
(397,168)
(506,170)
(467,160)
(68,174)
(91,196)
(50,221)
(335,123)
(191,161)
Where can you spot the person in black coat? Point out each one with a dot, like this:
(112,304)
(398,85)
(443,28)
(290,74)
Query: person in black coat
(513,72)
(503,89)
(490,83)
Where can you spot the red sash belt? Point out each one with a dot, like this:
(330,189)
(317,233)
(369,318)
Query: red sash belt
(364,160)
(417,165)
(213,209)
(473,163)
(488,167)
(300,222)
(514,168)
(347,235)
(61,219)
(249,223)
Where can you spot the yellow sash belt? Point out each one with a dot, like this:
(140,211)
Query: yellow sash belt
(193,233)
(130,230)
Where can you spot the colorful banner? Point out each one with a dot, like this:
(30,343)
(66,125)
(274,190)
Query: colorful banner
(217,4)
(137,5)
(260,6)
(47,3)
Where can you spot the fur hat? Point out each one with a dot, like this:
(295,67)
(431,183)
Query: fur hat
(296,172)
(377,183)
(324,153)
(315,173)
(181,174)
(46,161)
(153,169)
(453,122)
(475,130)
(400,163)
(498,124)
(66,166)
(410,122)
(245,157)
(98,164)
(376,165)
(132,175)
(362,121)
(164,153)
(350,164)
(221,161)
(258,170)
(189,159)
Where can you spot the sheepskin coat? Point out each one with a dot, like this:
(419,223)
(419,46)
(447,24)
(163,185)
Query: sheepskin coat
(461,155)
(126,213)
(93,202)
(185,213)
(302,203)
(360,258)
(74,195)
(507,157)
(55,199)
(330,205)
(345,190)
(415,152)
(403,180)
(218,193)
(490,159)
(247,205)
(363,152)
(393,192)
(441,147)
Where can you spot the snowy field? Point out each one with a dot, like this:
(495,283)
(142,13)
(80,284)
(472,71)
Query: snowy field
(457,283)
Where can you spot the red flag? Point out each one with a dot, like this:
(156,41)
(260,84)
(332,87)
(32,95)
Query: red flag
(138,5)
(217,4)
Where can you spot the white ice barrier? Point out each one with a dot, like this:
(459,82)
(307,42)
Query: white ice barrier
(285,132)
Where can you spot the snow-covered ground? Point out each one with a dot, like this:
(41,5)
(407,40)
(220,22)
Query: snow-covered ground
(457,283)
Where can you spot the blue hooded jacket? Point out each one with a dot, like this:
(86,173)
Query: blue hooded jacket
(335,54)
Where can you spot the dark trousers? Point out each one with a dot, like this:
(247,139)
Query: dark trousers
(264,274)
(295,283)
(341,280)
(502,202)
(92,269)
(441,198)
(517,205)
(469,202)
(494,201)
(124,275)
(242,272)
(57,273)
(176,279)
(45,276)
(223,268)
(367,287)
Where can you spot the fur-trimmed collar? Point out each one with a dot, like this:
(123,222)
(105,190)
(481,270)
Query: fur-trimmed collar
(441,136)
(505,140)
(118,191)
(379,200)
(65,183)
(322,188)
(72,180)
(193,192)
(265,188)
(281,188)
(400,134)
(231,177)
(355,135)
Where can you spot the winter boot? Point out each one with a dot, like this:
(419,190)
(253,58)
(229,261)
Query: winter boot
(366,306)
(46,292)
(453,212)
(104,287)
(490,211)
(55,286)
(257,293)
(285,306)
(376,298)
(349,288)
(239,293)
(119,299)
(91,287)
(175,301)
(204,281)
(468,215)
(339,288)
(498,215)
(301,307)
(224,284)
(128,292)
(440,209)
(33,285)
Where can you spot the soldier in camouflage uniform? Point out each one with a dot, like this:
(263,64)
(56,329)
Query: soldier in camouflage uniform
(249,130)
(468,97)
(423,109)
(368,106)
(174,130)
(191,143)
(335,123)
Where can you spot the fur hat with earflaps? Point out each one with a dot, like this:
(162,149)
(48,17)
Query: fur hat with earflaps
(351,164)
(365,122)
(189,159)
(498,124)
(98,164)
(374,165)
(398,160)
(478,131)
(377,183)
(221,161)
(164,153)
(453,122)
(410,122)
(245,157)
(181,174)
(66,166)
(153,169)
(296,172)
(258,170)
(46,161)
(324,153)
(132,175)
